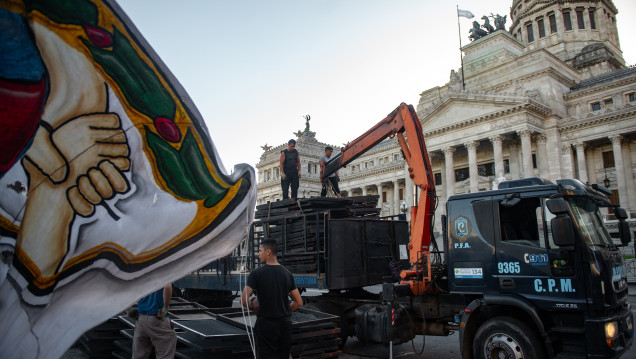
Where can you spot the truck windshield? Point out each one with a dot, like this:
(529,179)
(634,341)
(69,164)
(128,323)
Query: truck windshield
(588,219)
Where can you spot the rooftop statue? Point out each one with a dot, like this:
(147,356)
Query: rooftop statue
(476,32)
(500,21)
(487,25)
(307,118)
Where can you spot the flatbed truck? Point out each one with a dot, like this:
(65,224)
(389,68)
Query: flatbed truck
(526,271)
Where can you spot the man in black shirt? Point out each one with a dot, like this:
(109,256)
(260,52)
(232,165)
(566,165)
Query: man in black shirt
(290,170)
(272,284)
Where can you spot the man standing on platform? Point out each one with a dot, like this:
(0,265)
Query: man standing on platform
(290,170)
(333,179)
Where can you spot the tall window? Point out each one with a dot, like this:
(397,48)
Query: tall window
(630,97)
(579,18)
(541,28)
(401,193)
(591,11)
(462,174)
(530,32)
(553,25)
(567,21)
(608,103)
(608,159)
(596,106)
(438,179)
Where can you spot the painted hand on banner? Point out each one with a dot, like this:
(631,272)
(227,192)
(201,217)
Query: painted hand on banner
(72,170)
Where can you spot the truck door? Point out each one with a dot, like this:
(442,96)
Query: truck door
(524,259)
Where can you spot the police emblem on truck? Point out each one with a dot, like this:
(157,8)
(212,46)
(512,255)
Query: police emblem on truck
(461,227)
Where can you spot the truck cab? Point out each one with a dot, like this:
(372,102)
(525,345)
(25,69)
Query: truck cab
(535,257)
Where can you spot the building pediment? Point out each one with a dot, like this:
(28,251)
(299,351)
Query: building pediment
(460,109)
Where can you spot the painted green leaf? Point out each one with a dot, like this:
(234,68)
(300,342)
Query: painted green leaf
(138,83)
(184,170)
(194,164)
(77,12)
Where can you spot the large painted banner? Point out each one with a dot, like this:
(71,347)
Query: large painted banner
(110,186)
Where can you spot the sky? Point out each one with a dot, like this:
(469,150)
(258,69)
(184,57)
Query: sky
(255,68)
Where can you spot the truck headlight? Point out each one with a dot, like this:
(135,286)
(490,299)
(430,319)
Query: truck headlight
(611,329)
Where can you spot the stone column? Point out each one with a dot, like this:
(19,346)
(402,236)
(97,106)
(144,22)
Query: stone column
(513,149)
(396,197)
(498,154)
(553,142)
(567,169)
(580,158)
(560,25)
(620,170)
(364,190)
(472,165)
(408,196)
(450,170)
(629,176)
(441,200)
(526,153)
(542,157)
(590,159)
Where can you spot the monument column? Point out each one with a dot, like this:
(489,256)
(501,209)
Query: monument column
(542,157)
(472,165)
(526,153)
(450,170)
(620,170)
(498,154)
(580,158)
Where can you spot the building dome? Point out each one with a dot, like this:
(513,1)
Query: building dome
(569,30)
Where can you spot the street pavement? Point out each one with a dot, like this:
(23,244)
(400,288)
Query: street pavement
(434,347)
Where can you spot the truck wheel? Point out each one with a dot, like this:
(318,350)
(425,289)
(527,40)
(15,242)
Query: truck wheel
(506,338)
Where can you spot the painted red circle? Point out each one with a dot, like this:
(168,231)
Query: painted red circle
(167,129)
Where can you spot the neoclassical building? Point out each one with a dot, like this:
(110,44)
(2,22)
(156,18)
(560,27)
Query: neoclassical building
(551,97)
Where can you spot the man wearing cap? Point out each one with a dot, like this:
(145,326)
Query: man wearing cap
(290,170)
(333,178)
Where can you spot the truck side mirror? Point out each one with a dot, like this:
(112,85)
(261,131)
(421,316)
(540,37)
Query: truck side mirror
(562,232)
(557,206)
(623,226)
(620,213)
(623,232)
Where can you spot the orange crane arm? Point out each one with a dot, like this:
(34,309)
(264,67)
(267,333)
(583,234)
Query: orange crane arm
(404,124)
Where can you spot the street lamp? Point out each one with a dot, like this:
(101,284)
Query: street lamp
(606,181)
(403,207)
